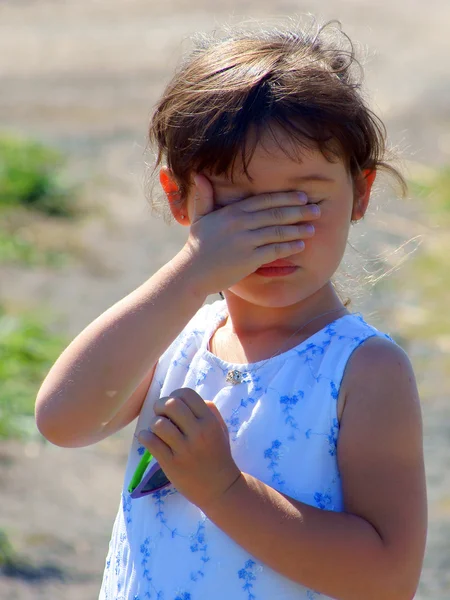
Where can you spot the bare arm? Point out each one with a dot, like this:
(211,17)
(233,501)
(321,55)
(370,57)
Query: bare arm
(375,549)
(128,412)
(84,396)
(102,368)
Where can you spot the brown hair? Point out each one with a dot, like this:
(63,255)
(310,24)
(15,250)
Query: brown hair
(306,82)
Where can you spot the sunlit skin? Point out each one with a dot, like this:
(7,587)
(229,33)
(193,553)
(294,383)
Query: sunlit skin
(374,549)
(277,306)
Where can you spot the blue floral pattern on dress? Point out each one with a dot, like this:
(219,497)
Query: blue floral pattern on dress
(311,595)
(198,545)
(233,422)
(273,455)
(331,435)
(126,506)
(248,575)
(323,501)
(289,403)
(284,430)
(145,551)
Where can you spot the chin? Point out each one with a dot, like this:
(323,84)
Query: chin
(271,297)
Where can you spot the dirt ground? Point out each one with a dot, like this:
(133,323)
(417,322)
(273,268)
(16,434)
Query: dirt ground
(84,74)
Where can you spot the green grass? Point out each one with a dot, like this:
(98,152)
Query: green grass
(33,187)
(7,553)
(423,282)
(32,176)
(14,564)
(434,194)
(16,249)
(27,351)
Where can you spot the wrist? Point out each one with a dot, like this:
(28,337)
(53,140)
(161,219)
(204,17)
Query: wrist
(216,507)
(187,263)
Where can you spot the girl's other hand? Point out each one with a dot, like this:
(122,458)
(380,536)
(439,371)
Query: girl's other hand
(190,440)
(230,243)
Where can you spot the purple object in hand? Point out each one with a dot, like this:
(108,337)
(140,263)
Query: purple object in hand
(153,480)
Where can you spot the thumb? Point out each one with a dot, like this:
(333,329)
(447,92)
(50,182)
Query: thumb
(213,408)
(204,197)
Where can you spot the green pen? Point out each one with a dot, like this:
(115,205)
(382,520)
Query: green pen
(140,470)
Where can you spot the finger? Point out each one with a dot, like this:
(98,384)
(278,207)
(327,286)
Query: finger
(204,197)
(282,215)
(157,448)
(176,409)
(270,252)
(282,233)
(167,432)
(270,200)
(193,400)
(213,408)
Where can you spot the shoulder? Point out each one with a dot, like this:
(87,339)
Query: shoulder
(195,330)
(381,396)
(203,319)
(376,358)
(376,363)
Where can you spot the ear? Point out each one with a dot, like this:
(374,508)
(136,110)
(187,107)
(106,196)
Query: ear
(172,191)
(362,188)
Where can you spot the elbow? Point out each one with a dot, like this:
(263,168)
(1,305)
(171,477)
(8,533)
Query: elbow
(403,586)
(394,579)
(44,422)
(52,433)
(404,593)
(393,590)
(44,416)
(61,437)
(406,590)
(57,431)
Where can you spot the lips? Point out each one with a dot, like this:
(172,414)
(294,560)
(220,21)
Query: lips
(280,262)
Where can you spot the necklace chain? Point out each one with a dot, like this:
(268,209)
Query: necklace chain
(235,376)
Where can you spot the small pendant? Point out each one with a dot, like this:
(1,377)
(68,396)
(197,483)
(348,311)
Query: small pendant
(234,377)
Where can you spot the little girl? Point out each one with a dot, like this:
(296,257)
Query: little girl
(289,428)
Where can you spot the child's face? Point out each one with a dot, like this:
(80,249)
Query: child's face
(272,171)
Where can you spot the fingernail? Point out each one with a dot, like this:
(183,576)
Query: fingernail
(315,209)
(302,197)
(143,436)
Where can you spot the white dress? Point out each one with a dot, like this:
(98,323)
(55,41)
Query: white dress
(283,430)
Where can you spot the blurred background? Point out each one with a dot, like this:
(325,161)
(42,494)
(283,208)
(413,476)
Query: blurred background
(78,80)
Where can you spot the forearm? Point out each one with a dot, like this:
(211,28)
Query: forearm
(337,554)
(105,363)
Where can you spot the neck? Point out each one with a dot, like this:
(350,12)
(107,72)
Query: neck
(249,319)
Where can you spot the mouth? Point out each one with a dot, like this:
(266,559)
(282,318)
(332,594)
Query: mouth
(281,262)
(277,268)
